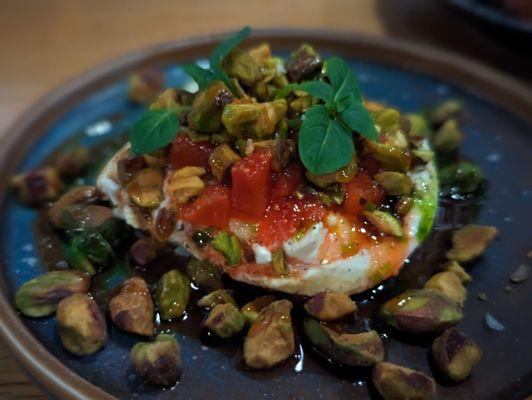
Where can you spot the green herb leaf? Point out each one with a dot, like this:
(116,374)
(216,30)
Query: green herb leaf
(357,117)
(227,46)
(203,77)
(342,80)
(153,130)
(324,144)
(318,89)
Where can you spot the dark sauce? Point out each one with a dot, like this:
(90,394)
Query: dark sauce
(452,213)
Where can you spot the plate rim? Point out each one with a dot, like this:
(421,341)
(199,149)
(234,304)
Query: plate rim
(486,82)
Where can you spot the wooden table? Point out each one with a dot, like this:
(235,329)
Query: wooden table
(46,42)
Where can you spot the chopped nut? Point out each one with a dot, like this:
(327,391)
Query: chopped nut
(456,354)
(132,308)
(470,242)
(185,183)
(330,306)
(394,382)
(449,284)
(225,320)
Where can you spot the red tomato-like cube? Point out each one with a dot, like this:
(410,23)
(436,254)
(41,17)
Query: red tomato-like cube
(251,186)
(210,208)
(185,152)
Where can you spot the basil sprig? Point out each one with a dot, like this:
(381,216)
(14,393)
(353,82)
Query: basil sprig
(206,76)
(153,130)
(325,138)
(157,128)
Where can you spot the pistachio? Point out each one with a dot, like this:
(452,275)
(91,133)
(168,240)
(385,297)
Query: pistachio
(330,306)
(159,362)
(403,205)
(384,222)
(444,111)
(461,178)
(421,311)
(229,246)
(37,186)
(395,183)
(449,284)
(251,310)
(225,320)
(185,183)
(81,324)
(77,195)
(393,158)
(394,382)
(343,175)
(270,339)
(424,155)
(222,157)
(278,261)
(305,63)
(72,162)
(172,294)
(144,85)
(240,65)
(165,223)
(352,349)
(456,268)
(220,296)
(253,120)
(260,53)
(132,308)
(456,354)
(281,151)
(471,242)
(207,108)
(419,126)
(388,120)
(128,167)
(204,274)
(39,297)
(145,188)
(449,137)
(145,250)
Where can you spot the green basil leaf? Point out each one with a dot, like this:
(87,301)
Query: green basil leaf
(153,130)
(318,89)
(357,117)
(227,46)
(324,144)
(342,79)
(203,77)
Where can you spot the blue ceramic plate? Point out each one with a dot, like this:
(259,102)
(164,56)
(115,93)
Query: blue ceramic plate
(497,139)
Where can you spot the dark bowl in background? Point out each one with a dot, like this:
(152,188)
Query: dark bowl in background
(496,22)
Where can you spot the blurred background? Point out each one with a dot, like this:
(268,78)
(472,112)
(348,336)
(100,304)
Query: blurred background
(44,43)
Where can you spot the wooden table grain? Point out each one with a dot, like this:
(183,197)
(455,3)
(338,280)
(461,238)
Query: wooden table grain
(46,42)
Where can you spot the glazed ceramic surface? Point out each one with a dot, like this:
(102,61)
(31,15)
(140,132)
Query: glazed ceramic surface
(499,141)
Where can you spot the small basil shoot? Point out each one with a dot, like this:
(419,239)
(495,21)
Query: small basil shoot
(153,130)
(204,77)
(324,144)
(325,139)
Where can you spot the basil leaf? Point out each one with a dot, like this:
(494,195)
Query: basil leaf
(153,130)
(318,89)
(324,144)
(227,46)
(203,77)
(357,117)
(342,79)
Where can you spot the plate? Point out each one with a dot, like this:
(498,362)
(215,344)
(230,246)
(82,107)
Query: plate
(498,138)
